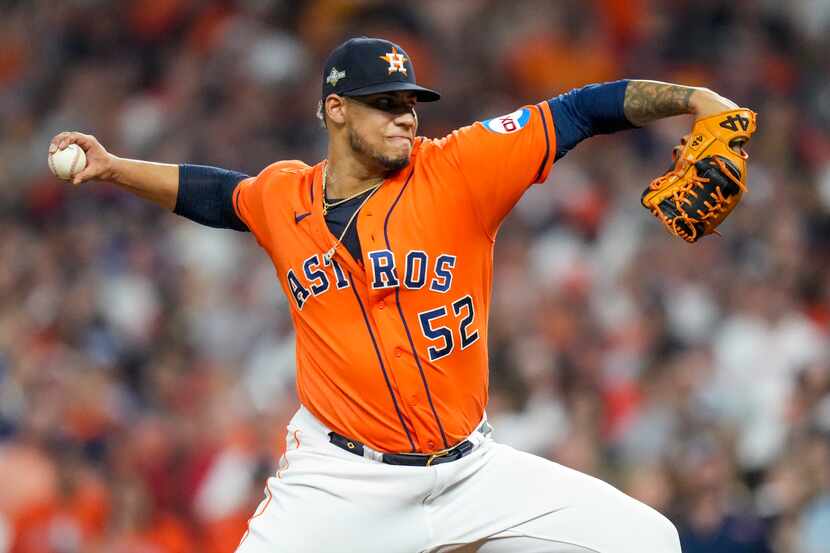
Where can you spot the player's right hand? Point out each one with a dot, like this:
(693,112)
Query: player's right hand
(99,162)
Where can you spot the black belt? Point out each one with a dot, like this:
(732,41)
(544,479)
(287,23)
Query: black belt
(410,459)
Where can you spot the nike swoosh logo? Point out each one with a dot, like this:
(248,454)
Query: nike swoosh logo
(301,216)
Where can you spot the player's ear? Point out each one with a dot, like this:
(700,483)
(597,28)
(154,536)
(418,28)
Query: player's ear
(335,108)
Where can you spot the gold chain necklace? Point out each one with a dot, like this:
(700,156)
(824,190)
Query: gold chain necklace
(374,188)
(328,205)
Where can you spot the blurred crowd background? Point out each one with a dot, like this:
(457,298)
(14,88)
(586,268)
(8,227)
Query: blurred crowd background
(146,363)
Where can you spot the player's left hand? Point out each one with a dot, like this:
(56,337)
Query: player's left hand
(705,103)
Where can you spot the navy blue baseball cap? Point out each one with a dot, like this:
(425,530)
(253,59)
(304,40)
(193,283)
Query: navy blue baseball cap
(363,65)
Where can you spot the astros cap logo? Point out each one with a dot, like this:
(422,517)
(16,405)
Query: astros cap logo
(396,61)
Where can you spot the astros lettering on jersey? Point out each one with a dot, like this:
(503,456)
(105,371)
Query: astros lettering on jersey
(391,350)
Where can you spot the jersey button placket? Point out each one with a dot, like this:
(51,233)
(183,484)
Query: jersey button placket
(370,228)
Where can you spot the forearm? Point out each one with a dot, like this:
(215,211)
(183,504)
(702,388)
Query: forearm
(200,193)
(157,182)
(647,101)
(619,105)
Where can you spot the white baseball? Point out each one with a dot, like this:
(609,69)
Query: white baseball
(68,162)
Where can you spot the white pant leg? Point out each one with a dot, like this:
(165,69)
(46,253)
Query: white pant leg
(327,500)
(507,542)
(525,538)
(499,488)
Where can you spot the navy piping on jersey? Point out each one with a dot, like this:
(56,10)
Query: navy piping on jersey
(547,145)
(235,200)
(380,360)
(403,319)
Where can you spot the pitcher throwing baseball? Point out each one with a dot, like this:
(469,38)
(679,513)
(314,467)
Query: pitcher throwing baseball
(385,252)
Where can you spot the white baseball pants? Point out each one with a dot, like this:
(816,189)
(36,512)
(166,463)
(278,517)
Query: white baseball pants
(495,500)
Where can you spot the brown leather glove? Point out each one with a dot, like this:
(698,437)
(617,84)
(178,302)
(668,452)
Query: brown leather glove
(708,178)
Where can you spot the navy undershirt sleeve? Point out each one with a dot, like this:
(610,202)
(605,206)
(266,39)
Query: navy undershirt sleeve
(587,111)
(206,196)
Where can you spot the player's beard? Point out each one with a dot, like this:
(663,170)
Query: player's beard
(361,147)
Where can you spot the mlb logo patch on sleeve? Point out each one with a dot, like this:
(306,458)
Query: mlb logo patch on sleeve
(509,123)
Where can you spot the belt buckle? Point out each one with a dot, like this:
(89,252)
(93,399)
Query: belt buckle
(434,456)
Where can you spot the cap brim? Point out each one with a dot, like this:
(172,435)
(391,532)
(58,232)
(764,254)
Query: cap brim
(423,94)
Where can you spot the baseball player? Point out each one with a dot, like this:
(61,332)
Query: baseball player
(385,253)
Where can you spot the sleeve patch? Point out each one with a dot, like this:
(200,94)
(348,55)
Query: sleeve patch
(510,123)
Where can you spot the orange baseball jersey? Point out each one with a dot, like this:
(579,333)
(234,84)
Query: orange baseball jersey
(392,350)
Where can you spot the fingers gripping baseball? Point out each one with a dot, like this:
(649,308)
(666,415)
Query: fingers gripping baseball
(98,160)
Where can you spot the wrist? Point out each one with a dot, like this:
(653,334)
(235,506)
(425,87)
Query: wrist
(704,102)
(114,169)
